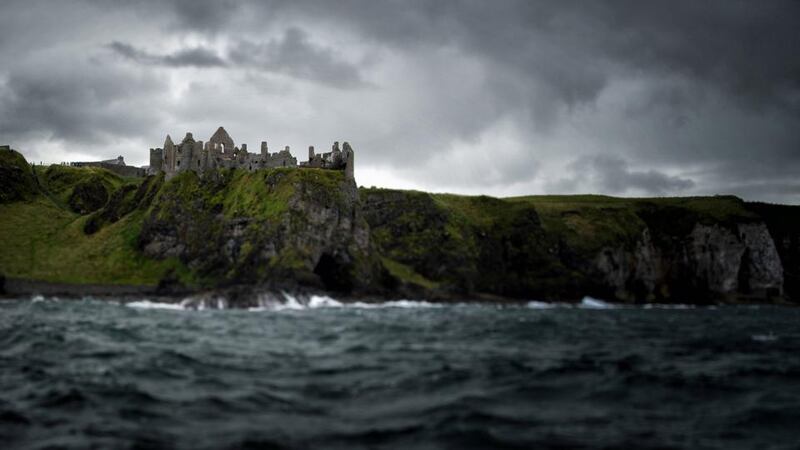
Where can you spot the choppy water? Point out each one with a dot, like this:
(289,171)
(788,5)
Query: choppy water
(405,375)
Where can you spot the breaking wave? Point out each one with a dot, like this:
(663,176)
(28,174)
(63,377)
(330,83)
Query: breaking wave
(271,302)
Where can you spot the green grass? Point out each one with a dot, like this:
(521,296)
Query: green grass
(407,274)
(16,176)
(249,194)
(42,241)
(588,222)
(262,194)
(60,181)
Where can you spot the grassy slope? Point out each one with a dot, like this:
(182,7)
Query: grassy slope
(589,222)
(263,194)
(16,176)
(60,181)
(43,241)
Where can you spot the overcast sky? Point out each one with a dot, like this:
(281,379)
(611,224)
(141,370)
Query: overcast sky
(494,97)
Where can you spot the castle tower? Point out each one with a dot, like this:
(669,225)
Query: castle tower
(349,164)
(184,154)
(224,139)
(169,155)
(198,160)
(156,160)
(310,152)
(264,151)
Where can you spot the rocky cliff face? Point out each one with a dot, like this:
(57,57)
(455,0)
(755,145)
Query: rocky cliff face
(683,250)
(288,228)
(282,227)
(710,262)
(783,223)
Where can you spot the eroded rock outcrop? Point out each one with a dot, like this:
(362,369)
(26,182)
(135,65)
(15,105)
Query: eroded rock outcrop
(18,182)
(673,250)
(711,262)
(281,226)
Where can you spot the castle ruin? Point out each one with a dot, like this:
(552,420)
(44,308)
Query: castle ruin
(221,152)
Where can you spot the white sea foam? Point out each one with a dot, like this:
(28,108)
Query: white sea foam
(147,304)
(534,304)
(585,303)
(271,302)
(322,301)
(289,302)
(395,304)
(593,303)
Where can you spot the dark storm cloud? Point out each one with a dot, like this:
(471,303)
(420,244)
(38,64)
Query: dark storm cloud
(747,48)
(292,54)
(209,16)
(613,175)
(640,96)
(196,57)
(74,105)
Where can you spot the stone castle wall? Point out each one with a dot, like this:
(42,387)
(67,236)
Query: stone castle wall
(221,152)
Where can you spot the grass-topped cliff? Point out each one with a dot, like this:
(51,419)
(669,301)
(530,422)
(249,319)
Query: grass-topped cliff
(43,237)
(566,246)
(311,227)
(90,226)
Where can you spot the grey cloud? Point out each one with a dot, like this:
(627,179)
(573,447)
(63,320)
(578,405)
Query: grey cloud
(75,106)
(570,49)
(613,175)
(747,48)
(205,14)
(209,16)
(295,55)
(710,90)
(196,56)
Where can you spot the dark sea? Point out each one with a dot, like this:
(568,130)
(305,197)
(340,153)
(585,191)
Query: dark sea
(319,374)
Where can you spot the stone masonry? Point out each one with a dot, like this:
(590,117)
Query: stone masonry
(221,152)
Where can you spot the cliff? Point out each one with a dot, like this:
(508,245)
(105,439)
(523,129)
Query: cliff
(311,228)
(278,228)
(283,227)
(555,247)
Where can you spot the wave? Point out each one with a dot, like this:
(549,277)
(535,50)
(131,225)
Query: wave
(284,301)
(593,303)
(270,302)
(534,304)
(147,304)
(585,303)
